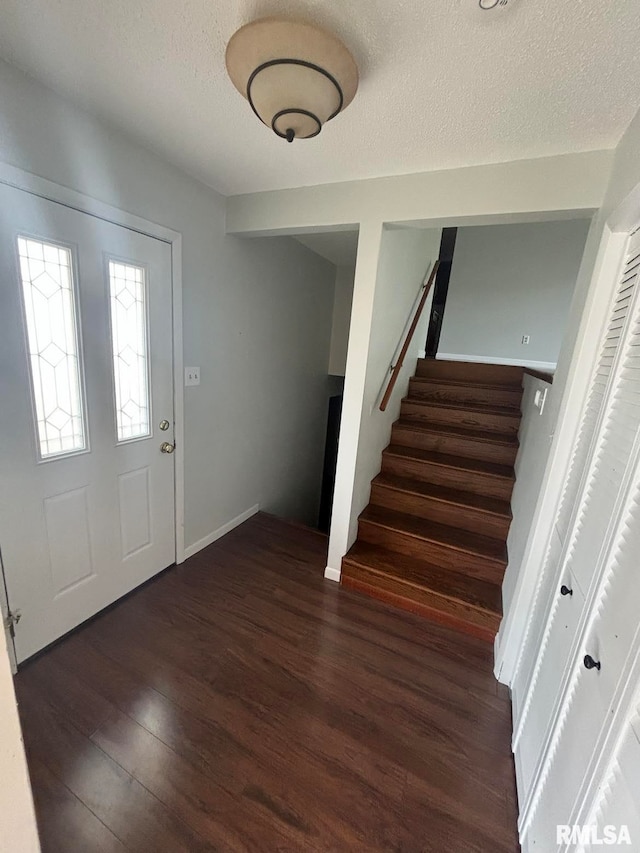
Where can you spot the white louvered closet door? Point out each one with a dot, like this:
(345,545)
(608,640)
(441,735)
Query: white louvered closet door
(599,384)
(538,681)
(594,696)
(603,541)
(615,803)
(617,433)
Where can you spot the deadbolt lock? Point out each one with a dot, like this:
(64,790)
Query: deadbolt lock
(164,425)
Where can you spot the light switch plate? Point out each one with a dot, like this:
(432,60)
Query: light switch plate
(540,399)
(192,376)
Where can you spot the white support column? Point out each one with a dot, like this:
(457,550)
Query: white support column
(342,531)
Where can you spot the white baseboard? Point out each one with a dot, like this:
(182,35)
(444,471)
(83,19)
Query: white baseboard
(497,662)
(548,366)
(422,353)
(332,574)
(190,550)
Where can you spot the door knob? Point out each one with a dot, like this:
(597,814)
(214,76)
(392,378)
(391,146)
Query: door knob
(590,663)
(167,447)
(564,590)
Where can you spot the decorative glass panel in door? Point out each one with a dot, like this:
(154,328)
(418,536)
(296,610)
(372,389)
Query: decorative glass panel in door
(128,300)
(51,317)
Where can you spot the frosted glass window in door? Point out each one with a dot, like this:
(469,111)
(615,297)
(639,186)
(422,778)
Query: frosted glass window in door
(128,299)
(51,315)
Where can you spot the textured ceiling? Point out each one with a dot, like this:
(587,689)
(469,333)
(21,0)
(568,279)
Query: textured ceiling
(339,247)
(443,84)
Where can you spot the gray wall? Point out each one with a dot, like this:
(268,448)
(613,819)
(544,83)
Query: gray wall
(341,320)
(508,281)
(257,313)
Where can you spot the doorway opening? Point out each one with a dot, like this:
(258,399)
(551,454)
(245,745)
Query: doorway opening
(440,290)
(308,322)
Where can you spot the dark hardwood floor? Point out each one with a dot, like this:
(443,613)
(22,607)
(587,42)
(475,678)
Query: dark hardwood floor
(241,702)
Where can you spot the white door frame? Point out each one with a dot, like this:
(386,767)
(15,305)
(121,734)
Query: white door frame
(4,612)
(510,641)
(43,188)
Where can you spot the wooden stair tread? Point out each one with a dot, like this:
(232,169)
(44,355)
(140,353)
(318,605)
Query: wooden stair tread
(448,461)
(476,408)
(469,371)
(451,537)
(457,497)
(458,432)
(457,383)
(420,574)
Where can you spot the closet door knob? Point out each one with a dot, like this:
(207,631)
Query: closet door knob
(564,590)
(590,663)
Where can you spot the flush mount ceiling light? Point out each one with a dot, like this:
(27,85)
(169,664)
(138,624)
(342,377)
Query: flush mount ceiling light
(295,76)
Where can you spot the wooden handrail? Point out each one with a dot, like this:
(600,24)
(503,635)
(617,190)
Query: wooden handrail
(397,367)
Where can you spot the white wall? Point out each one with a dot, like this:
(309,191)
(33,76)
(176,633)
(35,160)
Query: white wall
(522,190)
(406,257)
(536,432)
(508,281)
(341,319)
(625,174)
(257,314)
(390,267)
(18,833)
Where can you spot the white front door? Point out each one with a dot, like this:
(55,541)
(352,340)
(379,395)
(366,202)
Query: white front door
(86,367)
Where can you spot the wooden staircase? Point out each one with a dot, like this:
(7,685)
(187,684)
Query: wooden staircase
(433,537)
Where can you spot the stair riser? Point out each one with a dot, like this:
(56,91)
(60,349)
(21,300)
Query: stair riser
(435,607)
(454,478)
(459,371)
(463,517)
(465,394)
(455,446)
(487,421)
(434,552)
